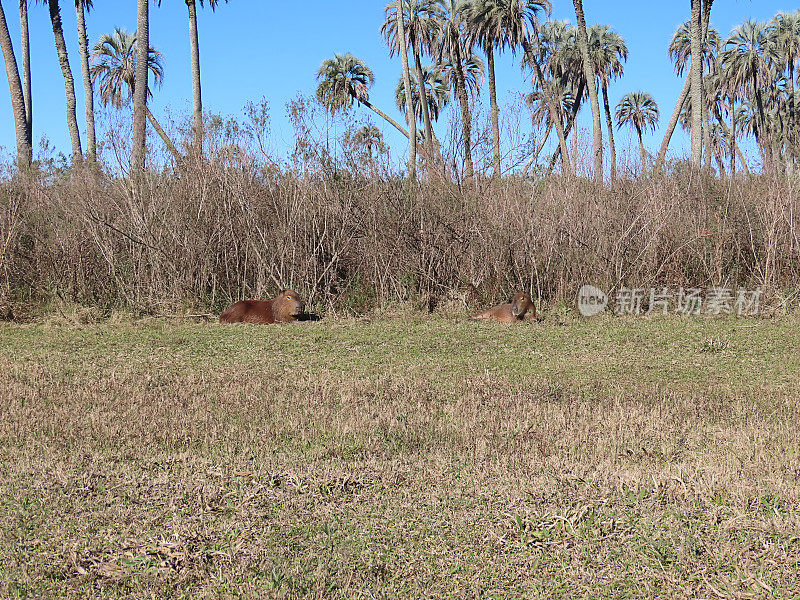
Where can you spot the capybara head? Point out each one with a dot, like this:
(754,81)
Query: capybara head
(295,305)
(520,304)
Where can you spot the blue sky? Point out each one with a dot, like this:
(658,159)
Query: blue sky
(259,48)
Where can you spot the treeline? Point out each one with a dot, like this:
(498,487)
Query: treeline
(745,85)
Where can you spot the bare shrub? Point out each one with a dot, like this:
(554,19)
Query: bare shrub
(348,234)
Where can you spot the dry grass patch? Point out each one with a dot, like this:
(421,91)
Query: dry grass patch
(431,458)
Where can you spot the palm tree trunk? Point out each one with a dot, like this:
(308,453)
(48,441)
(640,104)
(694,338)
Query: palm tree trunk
(195,56)
(494,110)
(642,151)
(720,164)
(69,82)
(696,76)
(410,119)
(26,65)
(591,82)
(88,88)
(533,158)
(733,139)
(552,103)
(706,16)
(575,148)
(741,158)
(764,135)
(423,97)
(610,126)
(466,120)
(163,135)
(792,129)
(140,86)
(24,146)
(676,113)
(735,150)
(379,112)
(571,123)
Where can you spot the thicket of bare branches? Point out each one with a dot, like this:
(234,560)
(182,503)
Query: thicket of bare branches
(349,234)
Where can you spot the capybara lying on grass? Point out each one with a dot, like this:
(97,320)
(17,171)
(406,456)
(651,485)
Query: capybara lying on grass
(519,307)
(287,307)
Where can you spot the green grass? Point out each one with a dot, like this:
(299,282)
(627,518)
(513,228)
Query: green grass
(404,457)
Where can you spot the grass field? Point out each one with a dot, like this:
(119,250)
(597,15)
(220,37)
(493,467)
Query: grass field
(401,458)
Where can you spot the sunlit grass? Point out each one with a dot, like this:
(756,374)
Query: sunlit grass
(400,457)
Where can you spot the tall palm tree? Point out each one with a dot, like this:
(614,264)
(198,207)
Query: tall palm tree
(115,59)
(680,51)
(26,64)
(501,24)
(81,8)
(194,44)
(344,79)
(422,19)
(560,59)
(591,83)
(640,111)
(607,50)
(140,88)
(437,93)
(696,76)
(69,82)
(454,48)
(785,34)
(745,64)
(400,28)
(24,145)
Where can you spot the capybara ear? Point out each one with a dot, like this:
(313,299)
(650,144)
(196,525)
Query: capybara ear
(283,291)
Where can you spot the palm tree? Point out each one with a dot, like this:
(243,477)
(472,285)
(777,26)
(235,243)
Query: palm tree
(26,64)
(696,76)
(191,5)
(115,59)
(437,93)
(540,113)
(454,48)
(368,137)
(421,18)
(785,34)
(680,51)
(24,145)
(745,64)
(607,50)
(81,7)
(589,70)
(496,25)
(473,71)
(69,82)
(344,79)
(560,59)
(412,123)
(140,88)
(640,111)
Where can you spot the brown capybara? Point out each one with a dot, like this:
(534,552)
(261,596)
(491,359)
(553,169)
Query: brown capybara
(521,304)
(284,308)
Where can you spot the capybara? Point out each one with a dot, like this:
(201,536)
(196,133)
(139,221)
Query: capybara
(284,308)
(521,304)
